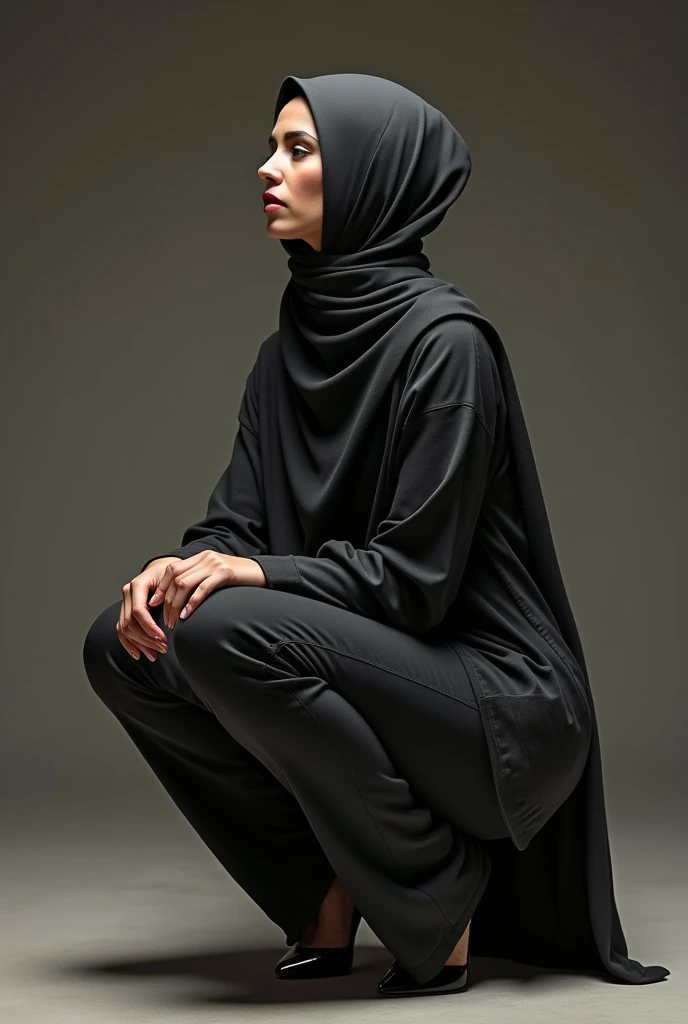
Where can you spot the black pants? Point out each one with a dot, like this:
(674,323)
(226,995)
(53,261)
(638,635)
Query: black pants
(303,741)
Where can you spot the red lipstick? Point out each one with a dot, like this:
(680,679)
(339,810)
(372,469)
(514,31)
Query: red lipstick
(271,202)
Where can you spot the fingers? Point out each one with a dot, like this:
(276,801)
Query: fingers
(122,619)
(135,635)
(127,644)
(136,629)
(138,648)
(200,575)
(159,593)
(170,595)
(136,642)
(140,618)
(187,591)
(166,591)
(178,593)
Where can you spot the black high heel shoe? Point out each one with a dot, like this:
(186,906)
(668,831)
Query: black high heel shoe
(398,982)
(320,961)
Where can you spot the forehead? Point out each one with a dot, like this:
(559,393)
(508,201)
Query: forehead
(296,115)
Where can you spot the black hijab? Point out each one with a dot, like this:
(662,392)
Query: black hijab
(392,166)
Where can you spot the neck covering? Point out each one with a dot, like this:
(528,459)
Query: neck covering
(392,165)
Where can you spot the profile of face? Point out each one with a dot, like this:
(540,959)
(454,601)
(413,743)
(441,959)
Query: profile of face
(293,174)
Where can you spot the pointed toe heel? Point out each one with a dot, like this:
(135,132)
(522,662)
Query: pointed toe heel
(398,982)
(319,961)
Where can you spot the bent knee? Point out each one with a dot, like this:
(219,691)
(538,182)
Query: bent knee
(101,642)
(102,633)
(226,628)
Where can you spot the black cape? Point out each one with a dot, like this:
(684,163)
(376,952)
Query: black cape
(370,346)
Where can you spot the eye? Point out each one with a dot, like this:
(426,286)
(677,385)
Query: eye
(297,151)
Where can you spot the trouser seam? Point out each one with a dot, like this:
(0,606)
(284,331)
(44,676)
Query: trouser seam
(344,762)
(274,652)
(469,901)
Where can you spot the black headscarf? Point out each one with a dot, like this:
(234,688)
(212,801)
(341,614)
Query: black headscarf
(392,166)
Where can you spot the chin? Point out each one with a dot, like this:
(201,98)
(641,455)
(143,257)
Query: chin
(274,229)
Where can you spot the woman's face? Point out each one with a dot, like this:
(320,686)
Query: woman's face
(293,173)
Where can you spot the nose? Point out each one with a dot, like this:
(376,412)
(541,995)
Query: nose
(266,165)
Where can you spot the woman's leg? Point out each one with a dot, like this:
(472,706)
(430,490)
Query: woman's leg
(251,822)
(378,735)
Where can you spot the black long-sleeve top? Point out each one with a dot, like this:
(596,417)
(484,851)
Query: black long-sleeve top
(416,523)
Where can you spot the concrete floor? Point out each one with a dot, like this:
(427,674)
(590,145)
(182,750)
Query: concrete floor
(122,916)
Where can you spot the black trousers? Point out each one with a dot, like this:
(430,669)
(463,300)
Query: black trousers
(304,741)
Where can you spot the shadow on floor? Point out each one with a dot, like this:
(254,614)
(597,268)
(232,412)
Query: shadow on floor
(247,976)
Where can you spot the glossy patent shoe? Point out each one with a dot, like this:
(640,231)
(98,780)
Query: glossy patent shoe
(398,982)
(319,961)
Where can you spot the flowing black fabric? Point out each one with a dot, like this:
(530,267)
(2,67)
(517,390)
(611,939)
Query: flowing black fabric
(383,464)
(392,166)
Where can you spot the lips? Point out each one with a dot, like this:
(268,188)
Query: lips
(269,198)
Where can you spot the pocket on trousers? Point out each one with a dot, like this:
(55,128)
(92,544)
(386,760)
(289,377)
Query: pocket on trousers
(541,746)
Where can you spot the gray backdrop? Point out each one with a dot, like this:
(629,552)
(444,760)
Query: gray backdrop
(139,282)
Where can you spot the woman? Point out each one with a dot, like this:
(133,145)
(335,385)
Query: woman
(400,725)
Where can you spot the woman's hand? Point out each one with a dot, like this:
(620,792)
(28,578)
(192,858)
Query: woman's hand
(136,629)
(186,583)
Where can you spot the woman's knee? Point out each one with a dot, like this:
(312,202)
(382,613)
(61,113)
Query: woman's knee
(100,644)
(226,632)
(195,633)
(102,633)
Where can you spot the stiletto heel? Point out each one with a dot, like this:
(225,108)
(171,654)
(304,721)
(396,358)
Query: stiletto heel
(320,961)
(398,982)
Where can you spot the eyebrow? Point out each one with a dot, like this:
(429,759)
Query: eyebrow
(296,134)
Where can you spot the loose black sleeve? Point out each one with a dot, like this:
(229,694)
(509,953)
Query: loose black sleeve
(411,570)
(234,523)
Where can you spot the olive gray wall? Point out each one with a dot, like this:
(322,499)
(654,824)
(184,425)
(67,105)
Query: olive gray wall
(139,282)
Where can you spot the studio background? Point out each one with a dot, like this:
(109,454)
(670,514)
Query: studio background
(138,283)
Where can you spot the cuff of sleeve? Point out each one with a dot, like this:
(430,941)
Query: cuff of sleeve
(280,571)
